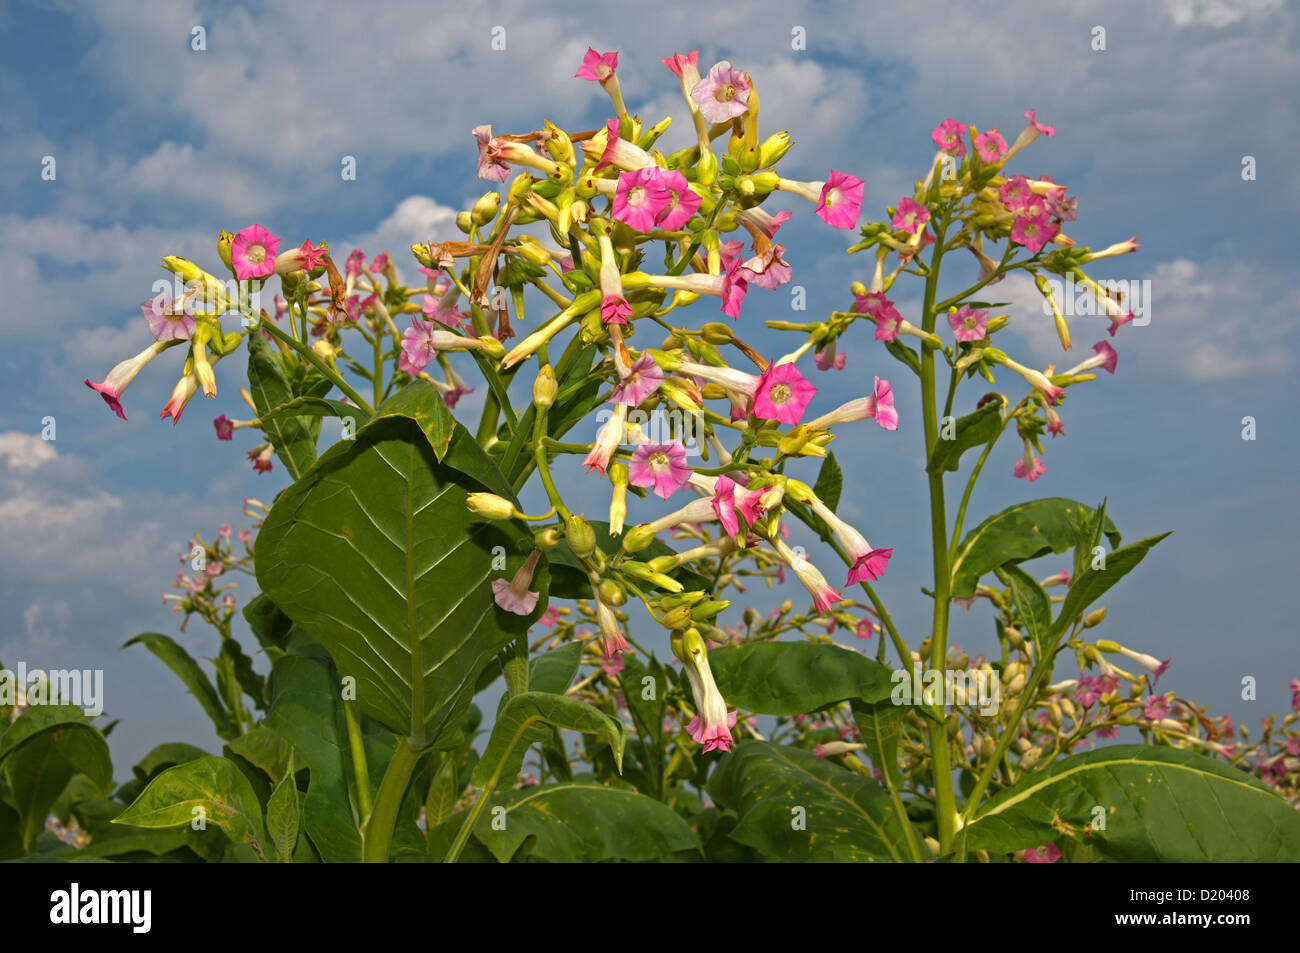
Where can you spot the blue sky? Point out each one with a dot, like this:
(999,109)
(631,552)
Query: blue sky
(158,147)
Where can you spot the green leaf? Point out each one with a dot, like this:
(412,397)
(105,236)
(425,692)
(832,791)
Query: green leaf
(794,678)
(584,822)
(1020,532)
(905,354)
(306,711)
(306,406)
(1159,804)
(195,679)
(516,726)
(264,749)
(165,756)
(40,753)
(973,430)
(830,482)
(569,578)
(794,806)
(1089,587)
(269,624)
(269,384)
(209,788)
(554,671)
(284,817)
(1035,607)
(421,403)
(375,555)
(881,725)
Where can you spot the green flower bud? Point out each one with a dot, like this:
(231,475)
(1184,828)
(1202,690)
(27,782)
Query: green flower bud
(773,149)
(707,610)
(582,538)
(490,506)
(717,334)
(1094,618)
(638,537)
(544,387)
(546,539)
(464,221)
(611,593)
(485,209)
(224,241)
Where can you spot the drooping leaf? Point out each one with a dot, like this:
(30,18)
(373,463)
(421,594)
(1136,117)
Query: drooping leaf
(604,823)
(516,725)
(210,788)
(195,679)
(292,437)
(1020,532)
(1034,604)
(794,806)
(1157,804)
(794,678)
(40,753)
(973,430)
(376,556)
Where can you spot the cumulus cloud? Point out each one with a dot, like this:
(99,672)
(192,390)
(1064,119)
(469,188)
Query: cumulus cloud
(25,452)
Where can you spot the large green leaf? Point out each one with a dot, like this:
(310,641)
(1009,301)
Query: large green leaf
(376,556)
(1089,587)
(1159,804)
(794,678)
(195,679)
(292,437)
(211,789)
(165,756)
(794,806)
(269,624)
(973,430)
(881,725)
(40,753)
(583,822)
(306,711)
(516,727)
(1020,532)
(553,671)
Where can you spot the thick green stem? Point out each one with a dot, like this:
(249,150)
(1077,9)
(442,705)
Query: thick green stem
(945,804)
(314,359)
(377,832)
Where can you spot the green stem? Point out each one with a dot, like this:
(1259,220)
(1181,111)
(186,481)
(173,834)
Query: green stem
(945,803)
(314,359)
(377,832)
(378,379)
(360,771)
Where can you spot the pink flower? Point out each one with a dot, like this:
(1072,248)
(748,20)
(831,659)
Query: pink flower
(728,497)
(597,67)
(1015,193)
(165,321)
(261,457)
(607,441)
(225,429)
(882,405)
(1031,470)
(612,667)
(881,310)
(642,380)
(865,629)
(968,325)
(1033,233)
(661,466)
(620,153)
(683,65)
(948,136)
(418,345)
(121,376)
(1157,707)
(185,389)
(245,536)
(224,530)
(380,264)
(910,217)
(1109,354)
(356,261)
(770,224)
(1047,854)
(769,270)
(252,253)
(990,145)
(514,596)
(783,394)
(443,309)
(829,359)
(550,617)
(489,166)
(840,200)
(723,94)
(682,202)
(640,198)
(1108,731)
(712,724)
(869,566)
(1041,127)
(614,309)
(611,633)
(735,285)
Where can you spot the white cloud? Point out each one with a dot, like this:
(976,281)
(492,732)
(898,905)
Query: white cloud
(24,451)
(417,218)
(1217,13)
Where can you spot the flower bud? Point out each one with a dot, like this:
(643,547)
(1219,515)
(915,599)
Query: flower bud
(581,537)
(707,170)
(638,537)
(611,593)
(1014,638)
(1030,758)
(465,222)
(491,347)
(224,241)
(773,149)
(716,334)
(485,208)
(546,539)
(678,618)
(1094,618)
(707,610)
(490,506)
(533,251)
(544,387)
